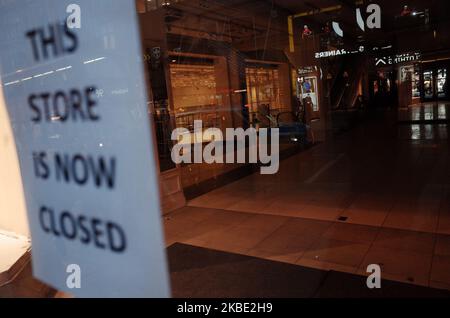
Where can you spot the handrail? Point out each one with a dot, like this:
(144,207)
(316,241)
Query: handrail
(348,90)
(336,105)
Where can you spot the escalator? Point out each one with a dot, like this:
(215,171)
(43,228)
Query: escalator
(344,89)
(344,92)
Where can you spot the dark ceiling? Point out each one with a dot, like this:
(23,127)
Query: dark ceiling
(250,19)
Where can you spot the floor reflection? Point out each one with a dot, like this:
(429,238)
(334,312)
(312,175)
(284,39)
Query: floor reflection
(425,112)
(379,194)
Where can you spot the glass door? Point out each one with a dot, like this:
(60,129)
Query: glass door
(442,85)
(263,93)
(416,84)
(428,84)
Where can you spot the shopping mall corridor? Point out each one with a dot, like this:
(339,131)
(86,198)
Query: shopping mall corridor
(378,194)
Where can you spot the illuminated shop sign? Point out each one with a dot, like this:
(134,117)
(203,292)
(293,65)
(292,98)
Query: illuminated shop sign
(339,52)
(398,59)
(307,70)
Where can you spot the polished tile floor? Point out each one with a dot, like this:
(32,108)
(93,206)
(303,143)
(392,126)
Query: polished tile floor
(379,194)
(432,111)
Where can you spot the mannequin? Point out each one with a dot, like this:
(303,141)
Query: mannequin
(306,32)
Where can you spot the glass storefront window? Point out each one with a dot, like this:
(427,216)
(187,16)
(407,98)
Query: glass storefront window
(194,94)
(308,87)
(406,73)
(441,82)
(197,95)
(348,116)
(416,84)
(411,74)
(428,84)
(263,94)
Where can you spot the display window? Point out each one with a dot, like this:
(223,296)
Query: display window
(263,94)
(416,84)
(195,95)
(428,84)
(441,82)
(433,80)
(306,81)
(224,148)
(308,88)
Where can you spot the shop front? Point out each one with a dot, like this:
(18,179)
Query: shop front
(199,91)
(434,83)
(268,92)
(200,71)
(383,88)
(424,82)
(418,80)
(307,91)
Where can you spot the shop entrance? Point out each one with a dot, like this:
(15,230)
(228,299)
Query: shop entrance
(383,89)
(308,92)
(268,92)
(263,94)
(435,85)
(428,85)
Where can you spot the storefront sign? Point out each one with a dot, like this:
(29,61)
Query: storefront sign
(86,154)
(307,70)
(339,52)
(398,59)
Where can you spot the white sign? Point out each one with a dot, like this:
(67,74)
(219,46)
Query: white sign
(338,52)
(398,59)
(86,154)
